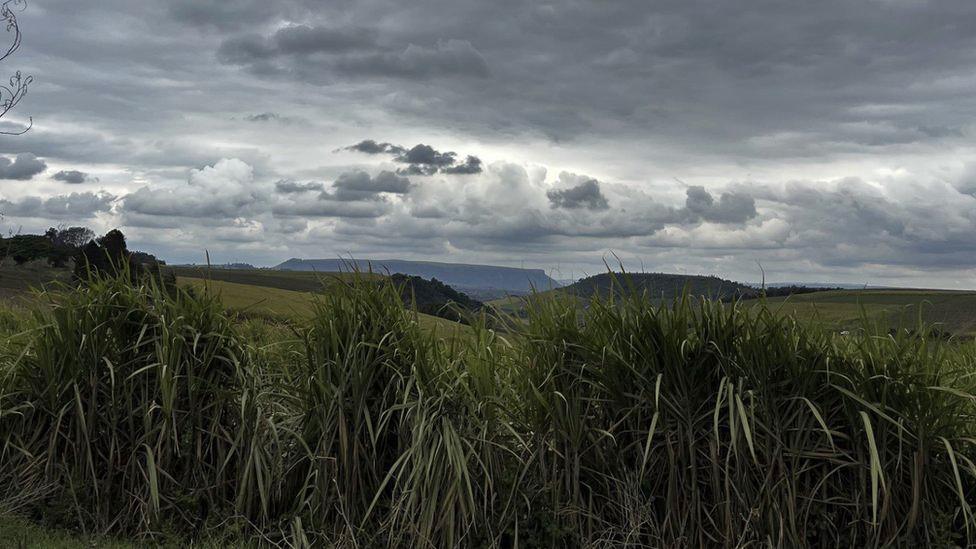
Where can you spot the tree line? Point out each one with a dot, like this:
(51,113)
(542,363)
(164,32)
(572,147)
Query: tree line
(78,247)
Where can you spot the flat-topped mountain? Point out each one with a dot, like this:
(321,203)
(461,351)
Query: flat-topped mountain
(458,275)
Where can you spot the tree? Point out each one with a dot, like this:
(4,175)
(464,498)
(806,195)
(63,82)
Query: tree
(65,242)
(109,255)
(69,237)
(114,245)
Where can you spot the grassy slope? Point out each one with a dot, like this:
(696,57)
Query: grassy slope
(952,311)
(300,281)
(266,300)
(16,281)
(948,310)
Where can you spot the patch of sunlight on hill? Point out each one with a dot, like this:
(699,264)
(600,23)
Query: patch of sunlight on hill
(276,302)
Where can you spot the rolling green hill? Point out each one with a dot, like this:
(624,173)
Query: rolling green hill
(283,280)
(431,296)
(658,286)
(267,301)
(17,281)
(949,311)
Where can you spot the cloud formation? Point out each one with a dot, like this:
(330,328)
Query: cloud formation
(359,185)
(732,207)
(73,177)
(60,207)
(302,50)
(584,195)
(825,139)
(225,190)
(22,168)
(287,186)
(421,159)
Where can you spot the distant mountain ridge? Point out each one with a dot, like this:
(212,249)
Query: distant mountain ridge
(459,275)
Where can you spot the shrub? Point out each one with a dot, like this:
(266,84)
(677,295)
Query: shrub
(128,408)
(124,407)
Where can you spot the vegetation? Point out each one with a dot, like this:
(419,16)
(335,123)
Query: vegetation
(665,287)
(154,414)
(283,280)
(109,255)
(287,307)
(430,297)
(657,286)
(482,278)
(435,298)
(945,311)
(786,291)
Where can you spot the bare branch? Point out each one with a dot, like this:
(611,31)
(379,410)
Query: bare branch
(16,87)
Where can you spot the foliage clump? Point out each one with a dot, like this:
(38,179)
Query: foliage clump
(135,410)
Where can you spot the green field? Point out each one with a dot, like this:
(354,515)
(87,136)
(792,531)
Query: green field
(949,311)
(301,281)
(262,299)
(953,312)
(17,281)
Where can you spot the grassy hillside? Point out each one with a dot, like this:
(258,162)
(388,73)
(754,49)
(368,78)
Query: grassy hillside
(950,311)
(436,298)
(252,300)
(657,286)
(283,280)
(17,281)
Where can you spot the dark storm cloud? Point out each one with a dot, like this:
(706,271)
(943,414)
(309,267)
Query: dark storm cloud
(421,159)
(72,176)
(455,58)
(585,195)
(303,50)
(731,208)
(303,39)
(69,206)
(370,146)
(359,185)
(427,155)
(738,77)
(23,167)
(297,40)
(471,165)
(286,186)
(229,14)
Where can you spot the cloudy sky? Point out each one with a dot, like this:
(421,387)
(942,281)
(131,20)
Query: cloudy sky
(825,141)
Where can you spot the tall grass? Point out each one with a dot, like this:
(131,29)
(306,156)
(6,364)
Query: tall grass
(147,412)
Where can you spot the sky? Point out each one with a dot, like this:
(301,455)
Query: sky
(826,141)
